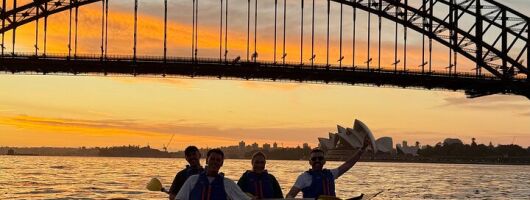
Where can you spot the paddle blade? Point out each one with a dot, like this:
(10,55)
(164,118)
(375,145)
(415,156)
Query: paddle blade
(154,185)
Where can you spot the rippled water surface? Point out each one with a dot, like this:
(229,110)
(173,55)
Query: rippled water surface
(28,177)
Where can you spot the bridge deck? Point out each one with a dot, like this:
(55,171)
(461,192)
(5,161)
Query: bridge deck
(204,67)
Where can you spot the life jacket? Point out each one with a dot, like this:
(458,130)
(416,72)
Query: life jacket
(259,185)
(204,190)
(323,183)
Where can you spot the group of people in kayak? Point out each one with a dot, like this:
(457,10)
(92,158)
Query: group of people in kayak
(198,183)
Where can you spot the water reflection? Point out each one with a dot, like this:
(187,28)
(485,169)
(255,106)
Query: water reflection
(24,177)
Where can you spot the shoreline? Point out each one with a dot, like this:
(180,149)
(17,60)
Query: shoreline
(448,162)
(362,160)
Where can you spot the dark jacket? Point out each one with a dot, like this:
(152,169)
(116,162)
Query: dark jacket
(262,186)
(181,177)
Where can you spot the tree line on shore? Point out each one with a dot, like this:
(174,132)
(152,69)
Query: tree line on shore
(465,151)
(474,150)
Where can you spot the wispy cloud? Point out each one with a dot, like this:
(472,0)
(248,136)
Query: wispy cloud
(527,114)
(493,102)
(185,131)
(181,83)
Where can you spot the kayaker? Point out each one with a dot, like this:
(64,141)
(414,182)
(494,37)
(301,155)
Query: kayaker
(193,156)
(321,181)
(258,181)
(211,184)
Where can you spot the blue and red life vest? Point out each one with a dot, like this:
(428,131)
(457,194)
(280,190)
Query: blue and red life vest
(323,183)
(259,185)
(204,190)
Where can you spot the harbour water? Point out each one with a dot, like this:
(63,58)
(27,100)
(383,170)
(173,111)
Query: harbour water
(40,177)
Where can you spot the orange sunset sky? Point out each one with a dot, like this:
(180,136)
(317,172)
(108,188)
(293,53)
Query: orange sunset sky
(73,111)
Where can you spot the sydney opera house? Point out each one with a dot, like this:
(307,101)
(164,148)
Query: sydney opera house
(341,145)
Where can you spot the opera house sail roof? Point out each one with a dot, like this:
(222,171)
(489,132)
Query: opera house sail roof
(347,139)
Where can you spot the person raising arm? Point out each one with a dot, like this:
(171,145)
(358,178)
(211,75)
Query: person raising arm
(320,181)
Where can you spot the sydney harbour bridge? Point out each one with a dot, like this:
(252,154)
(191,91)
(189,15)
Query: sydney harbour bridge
(492,36)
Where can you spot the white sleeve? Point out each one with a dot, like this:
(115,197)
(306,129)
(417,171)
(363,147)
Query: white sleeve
(303,181)
(335,173)
(185,190)
(233,191)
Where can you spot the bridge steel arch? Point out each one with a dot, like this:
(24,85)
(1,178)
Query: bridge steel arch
(408,16)
(27,13)
(487,13)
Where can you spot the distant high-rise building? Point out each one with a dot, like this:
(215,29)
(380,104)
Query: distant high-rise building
(255,146)
(306,146)
(266,146)
(275,145)
(242,145)
(405,143)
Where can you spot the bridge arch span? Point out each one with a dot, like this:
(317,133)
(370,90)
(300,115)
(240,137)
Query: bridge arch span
(407,16)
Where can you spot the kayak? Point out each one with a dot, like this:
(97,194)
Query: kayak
(156,185)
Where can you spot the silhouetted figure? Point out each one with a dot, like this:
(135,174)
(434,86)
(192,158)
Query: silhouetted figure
(193,156)
(258,181)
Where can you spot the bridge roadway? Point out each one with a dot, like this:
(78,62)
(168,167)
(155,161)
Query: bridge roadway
(472,85)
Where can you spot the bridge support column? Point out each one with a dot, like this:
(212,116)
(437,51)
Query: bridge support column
(102,28)
(275,24)
(423,37)
(70,29)
(504,45)
(431,16)
(478,34)
(37,9)
(135,28)
(327,36)
(165,30)
(354,36)
(45,29)
(248,30)
(380,9)
(226,33)
(255,54)
(301,34)
(106,27)
(451,34)
(312,35)
(3,25)
(14,29)
(405,18)
(455,39)
(369,59)
(340,40)
(284,21)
